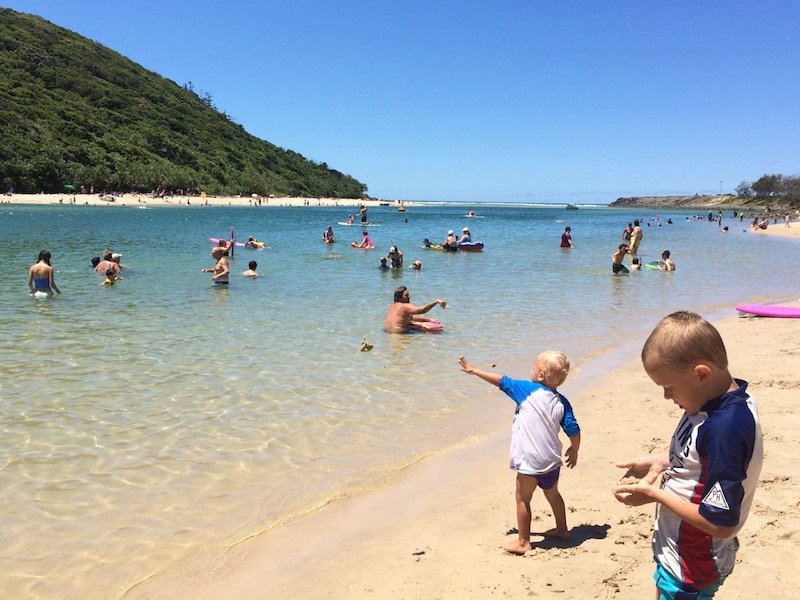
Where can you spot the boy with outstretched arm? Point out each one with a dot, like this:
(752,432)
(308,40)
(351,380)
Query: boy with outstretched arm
(709,476)
(535,446)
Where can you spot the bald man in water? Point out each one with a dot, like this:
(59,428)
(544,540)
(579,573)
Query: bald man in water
(402,313)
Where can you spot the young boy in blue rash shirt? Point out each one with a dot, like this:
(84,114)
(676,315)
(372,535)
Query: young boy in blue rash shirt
(709,477)
(535,447)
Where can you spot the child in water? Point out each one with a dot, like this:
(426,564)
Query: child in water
(111,278)
(251,271)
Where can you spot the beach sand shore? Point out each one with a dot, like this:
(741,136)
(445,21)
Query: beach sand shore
(438,530)
(112,200)
(780,230)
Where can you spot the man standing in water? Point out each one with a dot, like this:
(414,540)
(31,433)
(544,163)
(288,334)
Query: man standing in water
(221,269)
(636,238)
(616,259)
(402,314)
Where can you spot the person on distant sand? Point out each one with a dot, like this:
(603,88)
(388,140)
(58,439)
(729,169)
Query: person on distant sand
(402,314)
(566,238)
(535,446)
(251,270)
(40,276)
(617,257)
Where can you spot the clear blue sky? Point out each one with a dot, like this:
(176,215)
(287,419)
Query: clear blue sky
(512,101)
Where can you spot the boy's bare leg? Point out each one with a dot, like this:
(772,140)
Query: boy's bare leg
(559,512)
(526,485)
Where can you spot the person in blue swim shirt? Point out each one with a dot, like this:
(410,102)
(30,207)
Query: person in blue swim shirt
(535,445)
(708,478)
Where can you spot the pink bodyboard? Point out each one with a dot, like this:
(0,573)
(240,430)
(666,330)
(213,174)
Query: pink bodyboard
(766,310)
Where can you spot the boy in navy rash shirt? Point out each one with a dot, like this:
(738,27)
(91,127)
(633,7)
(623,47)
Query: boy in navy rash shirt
(715,457)
(535,447)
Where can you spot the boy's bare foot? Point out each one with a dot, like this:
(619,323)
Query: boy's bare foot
(517,547)
(556,533)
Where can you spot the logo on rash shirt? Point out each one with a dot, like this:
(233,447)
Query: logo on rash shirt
(716,498)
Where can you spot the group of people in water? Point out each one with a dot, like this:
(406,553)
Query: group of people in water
(631,239)
(221,269)
(41,275)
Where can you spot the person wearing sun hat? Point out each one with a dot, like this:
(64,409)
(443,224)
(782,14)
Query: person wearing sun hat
(395,257)
(466,236)
(450,243)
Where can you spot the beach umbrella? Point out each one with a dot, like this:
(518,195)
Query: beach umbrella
(69,187)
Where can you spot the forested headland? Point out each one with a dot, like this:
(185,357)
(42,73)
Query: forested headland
(75,114)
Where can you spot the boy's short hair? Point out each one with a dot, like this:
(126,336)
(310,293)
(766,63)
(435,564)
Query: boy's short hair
(252,264)
(635,260)
(684,339)
(555,367)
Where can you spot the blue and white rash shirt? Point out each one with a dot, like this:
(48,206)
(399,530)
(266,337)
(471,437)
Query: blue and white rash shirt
(715,460)
(541,412)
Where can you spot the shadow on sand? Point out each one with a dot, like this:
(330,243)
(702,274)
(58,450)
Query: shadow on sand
(578,535)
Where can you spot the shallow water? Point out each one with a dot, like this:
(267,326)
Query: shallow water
(164,417)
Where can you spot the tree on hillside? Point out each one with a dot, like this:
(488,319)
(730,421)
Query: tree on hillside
(792,190)
(743,190)
(768,185)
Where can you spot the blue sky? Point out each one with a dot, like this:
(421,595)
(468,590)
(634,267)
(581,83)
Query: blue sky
(507,101)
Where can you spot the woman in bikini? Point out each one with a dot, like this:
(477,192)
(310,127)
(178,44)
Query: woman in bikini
(40,275)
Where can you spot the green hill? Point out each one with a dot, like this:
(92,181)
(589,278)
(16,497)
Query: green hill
(73,112)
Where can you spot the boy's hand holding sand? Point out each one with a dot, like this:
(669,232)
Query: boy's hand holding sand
(641,475)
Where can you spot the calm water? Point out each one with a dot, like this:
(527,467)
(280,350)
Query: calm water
(163,417)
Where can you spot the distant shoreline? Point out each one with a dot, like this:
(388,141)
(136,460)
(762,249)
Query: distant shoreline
(695,202)
(704,202)
(141,200)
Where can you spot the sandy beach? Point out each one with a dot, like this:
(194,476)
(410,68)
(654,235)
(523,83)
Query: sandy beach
(780,230)
(133,199)
(437,532)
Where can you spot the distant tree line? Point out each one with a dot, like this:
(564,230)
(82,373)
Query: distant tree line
(778,187)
